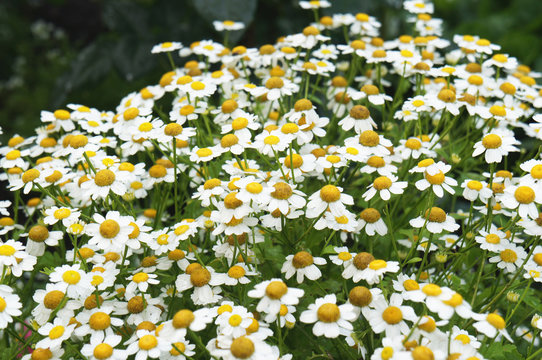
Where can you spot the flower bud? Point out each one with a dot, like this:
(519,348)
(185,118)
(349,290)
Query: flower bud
(441,257)
(512,296)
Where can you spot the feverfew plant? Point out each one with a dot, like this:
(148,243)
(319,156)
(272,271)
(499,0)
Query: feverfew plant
(334,195)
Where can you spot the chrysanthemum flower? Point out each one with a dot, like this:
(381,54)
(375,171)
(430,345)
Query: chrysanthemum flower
(330,320)
(302,264)
(495,145)
(436,221)
(274,293)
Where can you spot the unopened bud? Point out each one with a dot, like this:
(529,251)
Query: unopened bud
(129,196)
(441,257)
(455,158)
(512,296)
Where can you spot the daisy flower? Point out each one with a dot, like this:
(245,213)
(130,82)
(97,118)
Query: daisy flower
(474,189)
(110,232)
(523,198)
(328,197)
(55,333)
(75,282)
(330,320)
(510,257)
(371,220)
(370,143)
(105,349)
(10,306)
(272,294)
(166,47)
(495,145)
(104,181)
(205,282)
(302,264)
(354,269)
(147,345)
(390,318)
(97,322)
(437,221)
(140,281)
(359,118)
(437,180)
(385,186)
(494,240)
(491,325)
(374,272)
(228,25)
(66,215)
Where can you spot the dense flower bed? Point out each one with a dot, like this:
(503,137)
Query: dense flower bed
(333,195)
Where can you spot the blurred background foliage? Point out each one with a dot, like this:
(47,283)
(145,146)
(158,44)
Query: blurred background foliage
(94,52)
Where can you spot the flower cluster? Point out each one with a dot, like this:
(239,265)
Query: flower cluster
(382,195)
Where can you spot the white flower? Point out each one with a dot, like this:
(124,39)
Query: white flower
(274,293)
(330,320)
(496,144)
(436,221)
(166,47)
(385,186)
(302,264)
(391,318)
(437,180)
(10,306)
(329,196)
(491,325)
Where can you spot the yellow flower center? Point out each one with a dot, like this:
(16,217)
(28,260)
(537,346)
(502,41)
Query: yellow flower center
(276,289)
(52,299)
(422,353)
(369,138)
(235,320)
(182,319)
(392,315)
(436,179)
(435,214)
(99,321)
(524,195)
(508,256)
(178,349)
(370,215)
(382,182)
(330,193)
(475,185)
(328,313)
(236,272)
(104,177)
(204,152)
(377,264)
(140,277)
(71,277)
(109,228)
(130,113)
(148,342)
(56,332)
(242,347)
(103,351)
(30,175)
(432,290)
(254,188)
(413,144)
(496,321)
(302,259)
(454,301)
(6,250)
(344,256)
(62,114)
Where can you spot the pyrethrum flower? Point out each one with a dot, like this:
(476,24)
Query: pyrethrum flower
(436,221)
(330,320)
(302,264)
(495,145)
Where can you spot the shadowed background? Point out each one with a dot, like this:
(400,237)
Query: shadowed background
(94,52)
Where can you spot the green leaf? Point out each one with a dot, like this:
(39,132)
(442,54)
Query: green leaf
(414,260)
